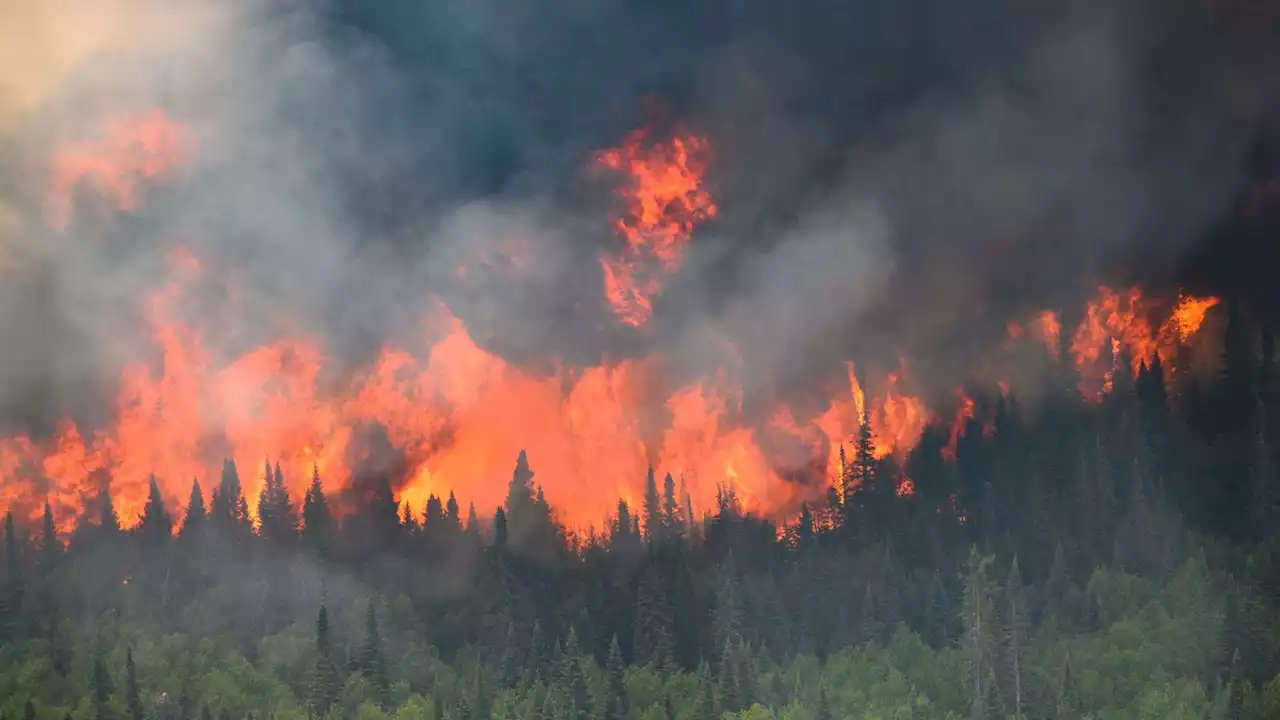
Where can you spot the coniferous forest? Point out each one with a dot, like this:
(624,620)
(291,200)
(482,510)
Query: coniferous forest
(1104,560)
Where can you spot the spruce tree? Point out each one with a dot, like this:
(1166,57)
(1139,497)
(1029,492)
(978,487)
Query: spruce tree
(226,512)
(823,711)
(980,634)
(616,702)
(1016,637)
(500,527)
(108,520)
(652,643)
(317,520)
(373,663)
(100,688)
(193,522)
(670,507)
(652,508)
(14,588)
(326,685)
(155,526)
(573,679)
(50,546)
(132,696)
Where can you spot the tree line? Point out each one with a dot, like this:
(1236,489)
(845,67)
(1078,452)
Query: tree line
(1105,560)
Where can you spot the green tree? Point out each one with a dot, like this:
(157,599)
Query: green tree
(373,663)
(100,688)
(980,636)
(132,696)
(326,685)
(193,522)
(155,526)
(317,519)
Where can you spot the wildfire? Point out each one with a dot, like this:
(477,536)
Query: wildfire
(130,151)
(1118,325)
(964,413)
(665,200)
(446,414)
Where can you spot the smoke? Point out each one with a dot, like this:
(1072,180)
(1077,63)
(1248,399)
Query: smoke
(895,178)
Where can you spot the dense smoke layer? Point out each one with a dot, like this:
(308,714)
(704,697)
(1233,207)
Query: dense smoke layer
(892,180)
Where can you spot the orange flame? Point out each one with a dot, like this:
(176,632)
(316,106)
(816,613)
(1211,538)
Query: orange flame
(665,201)
(1121,322)
(129,152)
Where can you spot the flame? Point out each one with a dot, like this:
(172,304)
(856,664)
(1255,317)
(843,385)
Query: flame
(1121,323)
(445,414)
(964,413)
(897,420)
(665,200)
(129,152)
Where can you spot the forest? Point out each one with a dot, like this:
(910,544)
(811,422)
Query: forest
(1111,559)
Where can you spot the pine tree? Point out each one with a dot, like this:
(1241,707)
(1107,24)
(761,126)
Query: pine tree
(100,688)
(804,528)
(155,526)
(500,527)
(823,711)
(108,521)
(193,523)
(1067,706)
(978,616)
(616,702)
(50,546)
(227,512)
(652,643)
(452,514)
(14,588)
(705,706)
(133,697)
(317,520)
(670,507)
(326,685)
(520,494)
(652,508)
(573,679)
(1016,632)
(373,663)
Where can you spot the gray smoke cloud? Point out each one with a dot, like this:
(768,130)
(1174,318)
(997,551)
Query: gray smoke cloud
(895,178)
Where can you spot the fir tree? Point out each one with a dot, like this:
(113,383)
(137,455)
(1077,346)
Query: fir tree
(14,588)
(573,679)
(652,643)
(50,546)
(317,520)
(100,688)
(108,520)
(980,634)
(670,507)
(326,685)
(372,661)
(500,527)
(1016,637)
(823,711)
(227,511)
(452,514)
(155,526)
(520,493)
(193,522)
(132,696)
(652,508)
(616,702)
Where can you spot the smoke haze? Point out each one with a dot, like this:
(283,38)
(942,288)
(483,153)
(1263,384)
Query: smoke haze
(894,179)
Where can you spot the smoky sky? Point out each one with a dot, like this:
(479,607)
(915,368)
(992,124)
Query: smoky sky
(896,178)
